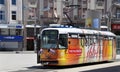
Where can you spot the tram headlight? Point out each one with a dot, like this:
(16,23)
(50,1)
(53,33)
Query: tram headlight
(40,51)
(52,51)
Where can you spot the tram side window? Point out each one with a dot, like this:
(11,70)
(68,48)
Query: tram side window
(63,41)
(101,39)
(110,41)
(86,40)
(95,39)
(82,37)
(106,38)
(90,40)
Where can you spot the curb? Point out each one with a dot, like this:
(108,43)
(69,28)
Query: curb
(17,52)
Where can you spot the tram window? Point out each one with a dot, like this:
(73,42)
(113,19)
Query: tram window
(82,37)
(63,41)
(101,39)
(90,39)
(110,41)
(95,40)
(49,39)
(86,40)
(73,35)
(106,37)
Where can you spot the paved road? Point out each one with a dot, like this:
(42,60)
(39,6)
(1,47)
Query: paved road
(108,69)
(96,67)
(26,62)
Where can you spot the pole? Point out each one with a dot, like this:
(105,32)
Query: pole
(24,22)
(35,42)
(60,11)
(35,35)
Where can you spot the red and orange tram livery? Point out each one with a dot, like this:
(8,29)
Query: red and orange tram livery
(69,46)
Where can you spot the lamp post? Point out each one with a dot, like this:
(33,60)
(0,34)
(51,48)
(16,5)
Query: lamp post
(35,42)
(108,14)
(35,24)
(24,2)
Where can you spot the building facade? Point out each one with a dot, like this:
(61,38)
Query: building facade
(115,17)
(35,14)
(11,27)
(11,11)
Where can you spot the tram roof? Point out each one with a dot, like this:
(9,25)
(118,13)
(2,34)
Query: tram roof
(81,31)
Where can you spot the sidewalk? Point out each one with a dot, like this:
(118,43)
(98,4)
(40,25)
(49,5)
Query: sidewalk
(14,61)
(118,56)
(17,52)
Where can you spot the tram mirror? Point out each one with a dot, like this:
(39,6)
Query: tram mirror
(38,36)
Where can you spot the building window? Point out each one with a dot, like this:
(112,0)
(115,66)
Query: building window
(12,32)
(13,15)
(13,2)
(118,13)
(4,31)
(2,2)
(2,15)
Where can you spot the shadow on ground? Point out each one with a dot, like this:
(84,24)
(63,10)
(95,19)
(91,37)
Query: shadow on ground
(108,69)
(52,68)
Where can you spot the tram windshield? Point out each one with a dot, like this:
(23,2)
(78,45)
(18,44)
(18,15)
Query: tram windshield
(49,39)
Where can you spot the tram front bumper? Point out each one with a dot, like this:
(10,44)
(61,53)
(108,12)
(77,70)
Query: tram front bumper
(49,62)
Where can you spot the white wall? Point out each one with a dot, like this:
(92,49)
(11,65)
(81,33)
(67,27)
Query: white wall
(91,4)
(9,7)
(75,2)
(9,44)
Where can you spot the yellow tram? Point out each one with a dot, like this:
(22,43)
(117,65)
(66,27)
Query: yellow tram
(69,46)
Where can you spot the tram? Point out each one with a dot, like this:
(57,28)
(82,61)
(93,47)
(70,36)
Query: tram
(62,46)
